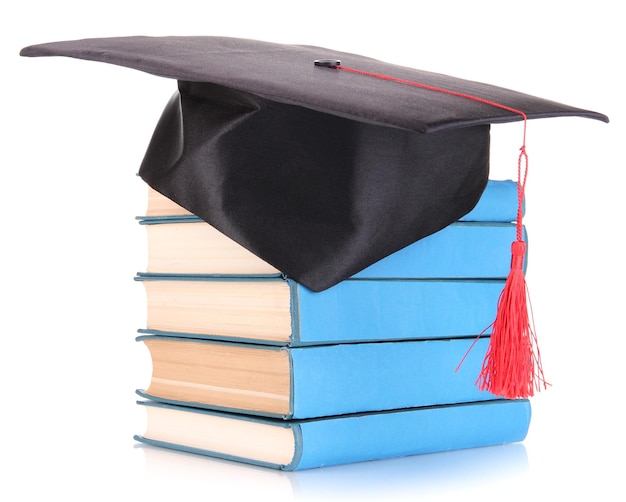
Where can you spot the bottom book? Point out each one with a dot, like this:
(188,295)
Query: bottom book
(304,444)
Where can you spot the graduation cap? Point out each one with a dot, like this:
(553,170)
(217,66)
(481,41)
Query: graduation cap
(318,171)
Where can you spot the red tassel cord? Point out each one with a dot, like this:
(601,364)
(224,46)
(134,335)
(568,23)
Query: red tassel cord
(512,367)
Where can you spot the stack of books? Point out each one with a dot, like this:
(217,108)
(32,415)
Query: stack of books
(249,365)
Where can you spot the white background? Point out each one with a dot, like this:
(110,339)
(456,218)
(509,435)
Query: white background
(73,134)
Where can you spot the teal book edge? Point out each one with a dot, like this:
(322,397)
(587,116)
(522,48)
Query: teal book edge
(358,310)
(342,439)
(362,377)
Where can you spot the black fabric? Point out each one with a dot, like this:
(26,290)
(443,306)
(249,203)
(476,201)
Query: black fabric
(286,73)
(318,196)
(318,171)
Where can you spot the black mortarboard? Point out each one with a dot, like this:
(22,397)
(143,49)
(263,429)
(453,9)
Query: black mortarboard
(317,171)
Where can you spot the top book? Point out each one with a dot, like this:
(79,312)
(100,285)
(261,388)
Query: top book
(477,246)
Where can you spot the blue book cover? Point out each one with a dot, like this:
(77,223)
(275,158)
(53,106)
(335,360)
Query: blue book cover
(316,381)
(304,444)
(281,311)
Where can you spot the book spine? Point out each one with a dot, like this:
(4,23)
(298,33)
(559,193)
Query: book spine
(377,436)
(459,251)
(374,310)
(353,378)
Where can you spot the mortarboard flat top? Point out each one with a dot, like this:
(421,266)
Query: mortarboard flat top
(319,172)
(285,73)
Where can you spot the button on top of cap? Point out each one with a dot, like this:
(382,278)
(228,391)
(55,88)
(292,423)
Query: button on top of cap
(329,63)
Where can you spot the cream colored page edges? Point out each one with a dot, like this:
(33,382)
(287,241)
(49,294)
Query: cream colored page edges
(239,438)
(159,205)
(198,248)
(238,309)
(223,375)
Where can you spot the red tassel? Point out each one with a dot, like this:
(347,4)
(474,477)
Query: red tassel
(512,367)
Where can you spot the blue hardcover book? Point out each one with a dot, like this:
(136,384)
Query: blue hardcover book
(316,381)
(474,247)
(281,311)
(461,250)
(304,444)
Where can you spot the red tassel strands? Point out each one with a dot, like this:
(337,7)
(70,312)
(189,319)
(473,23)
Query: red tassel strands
(512,367)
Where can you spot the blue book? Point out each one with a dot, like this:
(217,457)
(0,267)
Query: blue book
(474,247)
(316,381)
(461,250)
(281,311)
(304,444)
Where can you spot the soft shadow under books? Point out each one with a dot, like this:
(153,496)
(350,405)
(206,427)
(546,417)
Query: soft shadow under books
(419,475)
